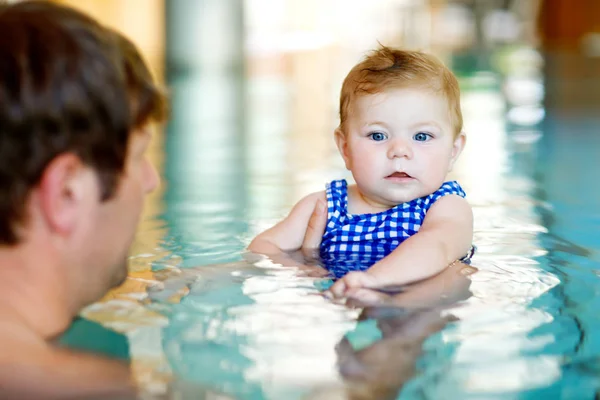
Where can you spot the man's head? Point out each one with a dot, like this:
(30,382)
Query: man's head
(75,103)
(388,69)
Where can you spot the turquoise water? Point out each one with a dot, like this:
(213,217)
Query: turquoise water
(523,326)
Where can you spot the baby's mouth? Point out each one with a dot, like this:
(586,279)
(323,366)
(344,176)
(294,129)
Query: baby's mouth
(399,175)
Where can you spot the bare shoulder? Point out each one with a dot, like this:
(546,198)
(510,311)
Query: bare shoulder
(312,198)
(451,207)
(308,203)
(451,218)
(57,372)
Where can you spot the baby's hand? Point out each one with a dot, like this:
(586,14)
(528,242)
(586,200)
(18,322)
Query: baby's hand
(352,281)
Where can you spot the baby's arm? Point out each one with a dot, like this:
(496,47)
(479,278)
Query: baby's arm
(290,234)
(444,237)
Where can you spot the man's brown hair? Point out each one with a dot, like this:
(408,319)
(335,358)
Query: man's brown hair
(387,68)
(67,84)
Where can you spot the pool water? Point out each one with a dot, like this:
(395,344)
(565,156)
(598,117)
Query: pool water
(201,318)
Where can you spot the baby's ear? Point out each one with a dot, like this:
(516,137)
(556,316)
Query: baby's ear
(457,148)
(342,145)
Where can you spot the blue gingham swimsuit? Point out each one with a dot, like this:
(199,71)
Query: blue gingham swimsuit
(354,242)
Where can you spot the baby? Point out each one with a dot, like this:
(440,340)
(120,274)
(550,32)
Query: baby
(400,134)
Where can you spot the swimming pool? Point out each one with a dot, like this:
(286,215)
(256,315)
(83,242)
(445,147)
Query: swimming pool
(523,326)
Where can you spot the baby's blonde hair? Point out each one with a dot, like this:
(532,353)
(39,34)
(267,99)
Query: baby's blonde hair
(387,68)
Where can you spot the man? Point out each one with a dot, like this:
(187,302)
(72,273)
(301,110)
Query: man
(76,103)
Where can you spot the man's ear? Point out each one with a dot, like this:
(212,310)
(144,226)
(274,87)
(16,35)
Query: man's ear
(65,190)
(457,148)
(342,145)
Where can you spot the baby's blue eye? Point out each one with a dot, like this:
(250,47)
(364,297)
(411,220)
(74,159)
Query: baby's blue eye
(377,136)
(422,137)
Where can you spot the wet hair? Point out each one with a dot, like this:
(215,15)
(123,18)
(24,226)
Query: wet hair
(67,85)
(387,68)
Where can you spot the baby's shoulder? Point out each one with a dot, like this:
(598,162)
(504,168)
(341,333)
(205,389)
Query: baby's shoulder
(450,204)
(313,198)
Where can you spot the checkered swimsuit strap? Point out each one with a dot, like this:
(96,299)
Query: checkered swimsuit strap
(337,202)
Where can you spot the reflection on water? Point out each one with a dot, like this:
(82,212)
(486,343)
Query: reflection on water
(251,133)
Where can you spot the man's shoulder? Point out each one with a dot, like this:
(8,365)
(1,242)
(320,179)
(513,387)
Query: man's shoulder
(57,372)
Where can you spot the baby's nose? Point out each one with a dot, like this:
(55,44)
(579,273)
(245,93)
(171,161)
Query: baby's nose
(399,148)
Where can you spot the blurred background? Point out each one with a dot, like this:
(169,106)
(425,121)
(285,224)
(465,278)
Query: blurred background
(254,85)
(254,88)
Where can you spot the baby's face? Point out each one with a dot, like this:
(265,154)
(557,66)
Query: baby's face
(399,145)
